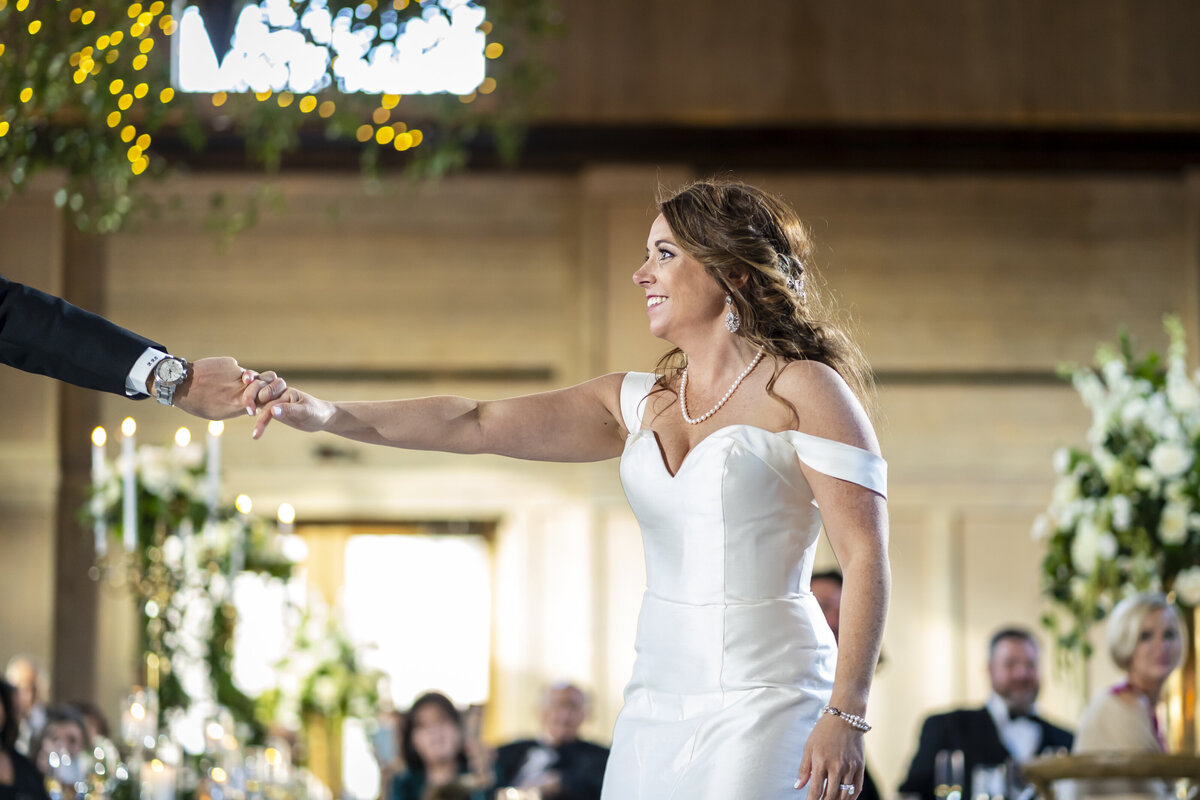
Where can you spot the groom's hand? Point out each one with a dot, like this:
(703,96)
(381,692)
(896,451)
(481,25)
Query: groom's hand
(217,388)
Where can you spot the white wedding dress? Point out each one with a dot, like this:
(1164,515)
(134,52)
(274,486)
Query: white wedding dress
(734,657)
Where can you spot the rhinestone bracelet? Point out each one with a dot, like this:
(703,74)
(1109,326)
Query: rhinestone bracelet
(853,720)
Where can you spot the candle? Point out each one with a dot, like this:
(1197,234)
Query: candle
(237,557)
(129,475)
(287,518)
(215,429)
(99,473)
(158,781)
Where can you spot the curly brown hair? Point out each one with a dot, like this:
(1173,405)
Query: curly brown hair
(735,230)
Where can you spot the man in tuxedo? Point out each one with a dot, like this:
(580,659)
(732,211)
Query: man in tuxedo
(1006,729)
(46,335)
(560,764)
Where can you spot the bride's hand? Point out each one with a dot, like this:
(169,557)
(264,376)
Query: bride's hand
(833,757)
(295,409)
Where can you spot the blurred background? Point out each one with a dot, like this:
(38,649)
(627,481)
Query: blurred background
(995,188)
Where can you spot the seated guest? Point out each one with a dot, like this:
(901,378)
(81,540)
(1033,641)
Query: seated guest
(558,763)
(19,778)
(1146,640)
(64,732)
(25,674)
(433,742)
(1006,729)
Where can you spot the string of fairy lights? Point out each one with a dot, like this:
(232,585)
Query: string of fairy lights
(126,48)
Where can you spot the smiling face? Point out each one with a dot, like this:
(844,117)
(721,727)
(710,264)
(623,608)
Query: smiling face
(435,736)
(682,299)
(1014,672)
(1158,650)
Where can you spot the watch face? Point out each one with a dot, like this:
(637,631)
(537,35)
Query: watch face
(170,370)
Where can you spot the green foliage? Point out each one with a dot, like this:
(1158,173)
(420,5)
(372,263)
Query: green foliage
(59,109)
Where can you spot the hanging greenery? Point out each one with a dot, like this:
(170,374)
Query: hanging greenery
(86,89)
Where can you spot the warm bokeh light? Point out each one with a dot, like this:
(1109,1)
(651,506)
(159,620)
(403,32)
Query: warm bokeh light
(34,27)
(3,127)
(218,99)
(380,116)
(218,775)
(139,166)
(308,104)
(114,119)
(128,426)
(285,99)
(116,86)
(389,100)
(140,90)
(166,95)
(243,503)
(364,133)
(125,101)
(385,134)
(183,437)
(488,86)
(137,711)
(156,766)
(88,17)
(261,96)
(403,141)
(99,436)
(26,94)
(327,108)
(127,133)
(216,428)
(140,62)
(493,50)
(214,731)
(143,142)
(286,513)
(417,136)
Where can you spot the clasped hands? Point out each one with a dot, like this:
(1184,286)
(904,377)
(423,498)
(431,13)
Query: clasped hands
(217,388)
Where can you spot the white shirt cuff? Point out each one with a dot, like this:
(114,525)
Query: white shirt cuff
(135,382)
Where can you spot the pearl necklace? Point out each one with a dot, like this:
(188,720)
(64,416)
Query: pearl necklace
(721,402)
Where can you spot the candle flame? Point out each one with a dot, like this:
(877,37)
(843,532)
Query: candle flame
(218,775)
(287,514)
(243,503)
(216,428)
(99,437)
(137,711)
(183,437)
(128,427)
(156,765)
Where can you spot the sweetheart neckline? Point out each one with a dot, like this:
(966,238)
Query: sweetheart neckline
(662,456)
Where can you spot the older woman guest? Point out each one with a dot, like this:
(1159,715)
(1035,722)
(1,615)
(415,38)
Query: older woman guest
(1146,640)
(19,778)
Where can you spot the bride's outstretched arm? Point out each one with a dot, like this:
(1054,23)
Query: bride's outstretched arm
(580,423)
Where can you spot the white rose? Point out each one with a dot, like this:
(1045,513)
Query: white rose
(1157,413)
(1187,586)
(1122,512)
(1114,371)
(1106,546)
(1042,527)
(1133,412)
(1172,528)
(1089,388)
(325,693)
(1065,492)
(1085,547)
(1145,479)
(1061,460)
(172,551)
(1169,459)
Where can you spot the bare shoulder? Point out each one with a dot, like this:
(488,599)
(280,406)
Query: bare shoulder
(825,404)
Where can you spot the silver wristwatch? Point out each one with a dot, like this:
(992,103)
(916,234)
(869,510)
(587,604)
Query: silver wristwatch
(169,373)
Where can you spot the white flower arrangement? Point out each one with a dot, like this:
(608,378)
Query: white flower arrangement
(1124,515)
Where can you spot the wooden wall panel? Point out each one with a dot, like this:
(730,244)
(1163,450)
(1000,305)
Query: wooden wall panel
(1116,63)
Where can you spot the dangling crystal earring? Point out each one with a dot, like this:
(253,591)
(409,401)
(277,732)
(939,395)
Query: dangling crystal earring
(732,320)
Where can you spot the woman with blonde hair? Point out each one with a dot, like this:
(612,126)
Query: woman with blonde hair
(1146,640)
(750,436)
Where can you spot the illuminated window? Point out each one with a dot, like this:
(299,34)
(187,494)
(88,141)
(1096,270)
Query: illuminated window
(360,50)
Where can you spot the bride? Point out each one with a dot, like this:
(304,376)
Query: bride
(748,438)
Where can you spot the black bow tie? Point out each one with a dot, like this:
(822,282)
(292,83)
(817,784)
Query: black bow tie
(1013,716)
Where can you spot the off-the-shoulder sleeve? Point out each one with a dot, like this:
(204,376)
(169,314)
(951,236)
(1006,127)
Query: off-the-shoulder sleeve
(634,389)
(841,460)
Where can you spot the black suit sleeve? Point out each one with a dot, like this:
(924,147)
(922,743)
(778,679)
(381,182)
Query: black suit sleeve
(920,773)
(582,771)
(44,334)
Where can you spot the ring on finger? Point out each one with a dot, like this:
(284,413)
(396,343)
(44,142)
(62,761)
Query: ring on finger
(846,787)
